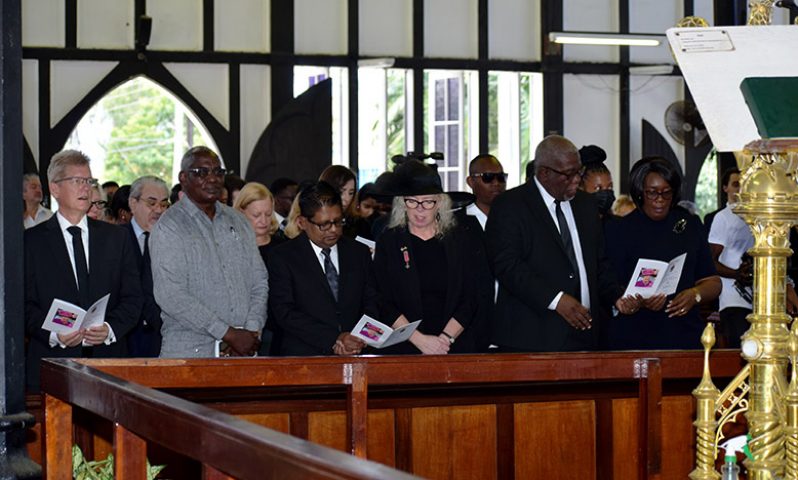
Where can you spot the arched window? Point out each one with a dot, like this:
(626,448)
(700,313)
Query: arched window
(137,129)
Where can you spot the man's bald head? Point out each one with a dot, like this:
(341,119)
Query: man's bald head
(552,150)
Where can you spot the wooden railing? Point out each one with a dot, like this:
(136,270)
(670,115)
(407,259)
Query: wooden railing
(226,446)
(106,394)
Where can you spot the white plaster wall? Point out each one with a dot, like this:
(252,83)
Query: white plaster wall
(704,9)
(514,29)
(653,16)
(450,28)
(43,23)
(590,16)
(176,25)
(242,25)
(591,111)
(209,83)
(386,28)
(30,105)
(255,108)
(320,26)
(105,24)
(650,97)
(70,81)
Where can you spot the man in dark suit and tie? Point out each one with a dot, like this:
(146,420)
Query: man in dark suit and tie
(149,198)
(546,246)
(79,260)
(320,282)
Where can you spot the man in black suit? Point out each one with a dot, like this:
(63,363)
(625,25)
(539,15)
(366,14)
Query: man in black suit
(320,282)
(79,260)
(546,246)
(149,198)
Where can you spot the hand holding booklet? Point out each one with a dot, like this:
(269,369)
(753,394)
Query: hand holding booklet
(378,335)
(65,317)
(652,277)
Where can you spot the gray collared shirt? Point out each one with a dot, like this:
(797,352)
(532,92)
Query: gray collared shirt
(207,276)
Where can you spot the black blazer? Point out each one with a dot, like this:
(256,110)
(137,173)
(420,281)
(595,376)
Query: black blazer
(49,275)
(531,265)
(145,340)
(400,288)
(302,303)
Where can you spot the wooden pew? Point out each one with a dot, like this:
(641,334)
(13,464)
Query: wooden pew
(576,415)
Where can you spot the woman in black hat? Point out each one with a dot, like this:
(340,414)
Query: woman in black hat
(421,268)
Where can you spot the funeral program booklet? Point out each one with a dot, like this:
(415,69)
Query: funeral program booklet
(65,317)
(651,277)
(377,334)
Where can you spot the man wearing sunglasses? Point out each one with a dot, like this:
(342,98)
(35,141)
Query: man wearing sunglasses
(208,276)
(79,260)
(546,246)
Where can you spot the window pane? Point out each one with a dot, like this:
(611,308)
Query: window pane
(397,98)
(452,181)
(440,138)
(453,150)
(440,100)
(308,76)
(454,99)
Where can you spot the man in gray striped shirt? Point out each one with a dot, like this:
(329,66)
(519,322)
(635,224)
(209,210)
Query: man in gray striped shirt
(208,276)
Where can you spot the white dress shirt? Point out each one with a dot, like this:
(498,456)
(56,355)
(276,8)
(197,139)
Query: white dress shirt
(320,256)
(42,214)
(548,200)
(474,211)
(139,232)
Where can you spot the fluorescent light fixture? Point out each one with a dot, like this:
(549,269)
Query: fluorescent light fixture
(651,70)
(381,62)
(585,38)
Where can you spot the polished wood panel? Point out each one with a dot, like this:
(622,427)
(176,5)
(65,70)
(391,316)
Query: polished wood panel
(678,437)
(625,455)
(275,421)
(454,442)
(130,455)
(555,440)
(58,438)
(329,429)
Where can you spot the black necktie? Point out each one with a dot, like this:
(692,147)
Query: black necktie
(568,244)
(146,253)
(80,265)
(330,272)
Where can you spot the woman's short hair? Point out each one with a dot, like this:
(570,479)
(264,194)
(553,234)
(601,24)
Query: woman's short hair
(660,166)
(445,221)
(253,192)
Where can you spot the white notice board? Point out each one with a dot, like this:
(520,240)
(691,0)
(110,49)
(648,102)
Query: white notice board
(715,60)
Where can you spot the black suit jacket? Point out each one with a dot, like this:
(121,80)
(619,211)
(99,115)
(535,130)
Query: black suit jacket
(531,265)
(49,275)
(400,289)
(145,339)
(302,303)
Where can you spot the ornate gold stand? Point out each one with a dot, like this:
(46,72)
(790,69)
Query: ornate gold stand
(769,204)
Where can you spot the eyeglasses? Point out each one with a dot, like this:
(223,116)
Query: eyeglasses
(489,177)
(664,194)
(326,226)
(78,181)
(568,175)
(412,203)
(99,204)
(152,202)
(203,172)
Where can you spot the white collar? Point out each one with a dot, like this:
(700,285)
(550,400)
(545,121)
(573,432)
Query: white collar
(64,223)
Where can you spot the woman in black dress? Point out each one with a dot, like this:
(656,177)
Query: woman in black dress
(421,268)
(659,230)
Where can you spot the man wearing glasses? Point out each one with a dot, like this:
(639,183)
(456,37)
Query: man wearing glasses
(78,260)
(546,246)
(320,282)
(208,277)
(148,200)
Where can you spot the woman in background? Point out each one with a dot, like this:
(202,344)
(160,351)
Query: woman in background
(99,204)
(256,202)
(345,182)
(596,178)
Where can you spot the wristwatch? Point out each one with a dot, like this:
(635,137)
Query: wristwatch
(697,296)
(451,338)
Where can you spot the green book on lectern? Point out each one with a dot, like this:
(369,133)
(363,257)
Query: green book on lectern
(773,102)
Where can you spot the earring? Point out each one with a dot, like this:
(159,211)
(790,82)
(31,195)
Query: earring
(438,216)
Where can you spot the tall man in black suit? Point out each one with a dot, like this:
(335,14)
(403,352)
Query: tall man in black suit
(546,246)
(79,260)
(320,283)
(149,198)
